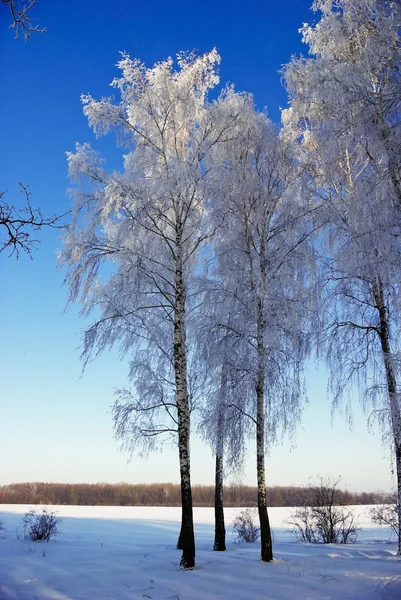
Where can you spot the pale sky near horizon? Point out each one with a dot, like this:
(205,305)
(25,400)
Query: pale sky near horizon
(56,425)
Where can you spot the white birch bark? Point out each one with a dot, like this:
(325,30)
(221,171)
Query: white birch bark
(186,541)
(265,533)
(395,413)
(219,525)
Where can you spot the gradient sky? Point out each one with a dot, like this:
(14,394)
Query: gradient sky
(56,425)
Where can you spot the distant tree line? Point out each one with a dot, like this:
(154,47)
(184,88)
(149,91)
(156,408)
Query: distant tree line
(161,494)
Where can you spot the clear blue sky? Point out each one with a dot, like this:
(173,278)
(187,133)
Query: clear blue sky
(56,425)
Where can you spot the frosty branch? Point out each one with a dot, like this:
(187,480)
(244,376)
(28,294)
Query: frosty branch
(21,19)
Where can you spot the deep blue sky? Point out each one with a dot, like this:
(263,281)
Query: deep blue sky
(56,426)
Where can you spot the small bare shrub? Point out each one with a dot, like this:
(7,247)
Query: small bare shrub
(303,525)
(41,525)
(244,526)
(2,530)
(322,518)
(386,513)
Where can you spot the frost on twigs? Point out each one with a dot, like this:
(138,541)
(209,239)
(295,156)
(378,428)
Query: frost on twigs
(21,20)
(244,526)
(345,123)
(322,518)
(263,249)
(41,525)
(149,223)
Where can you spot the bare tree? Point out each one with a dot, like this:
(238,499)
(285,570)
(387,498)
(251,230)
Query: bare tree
(244,526)
(21,19)
(386,513)
(18,224)
(322,517)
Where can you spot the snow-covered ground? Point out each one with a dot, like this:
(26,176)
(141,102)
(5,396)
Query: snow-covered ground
(128,553)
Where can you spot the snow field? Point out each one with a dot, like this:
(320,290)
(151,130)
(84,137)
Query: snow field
(127,553)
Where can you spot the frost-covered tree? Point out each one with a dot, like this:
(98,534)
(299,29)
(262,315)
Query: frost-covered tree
(261,262)
(344,116)
(222,424)
(150,223)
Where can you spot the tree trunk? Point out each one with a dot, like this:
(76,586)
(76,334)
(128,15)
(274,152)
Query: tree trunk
(179,541)
(186,541)
(384,334)
(265,532)
(393,168)
(219,527)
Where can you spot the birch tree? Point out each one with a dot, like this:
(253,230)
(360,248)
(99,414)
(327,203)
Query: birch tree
(222,424)
(344,115)
(259,253)
(150,223)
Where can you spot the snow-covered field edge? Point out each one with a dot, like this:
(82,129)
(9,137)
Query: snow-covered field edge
(121,553)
